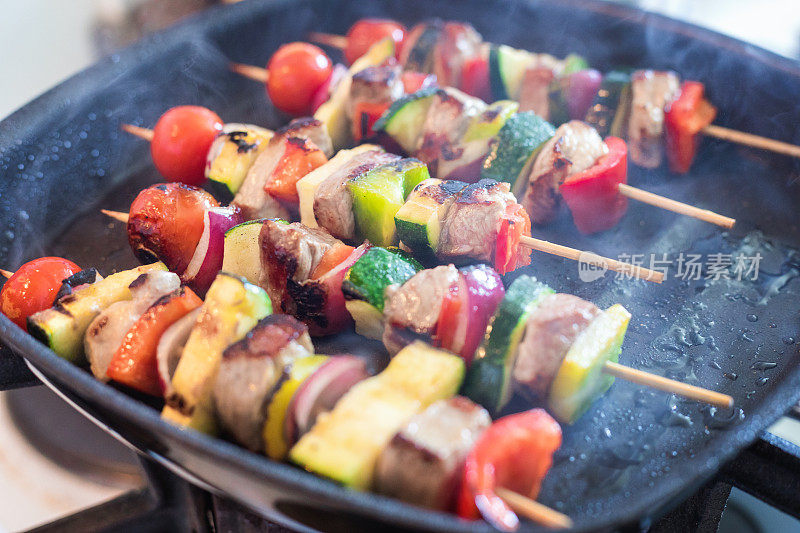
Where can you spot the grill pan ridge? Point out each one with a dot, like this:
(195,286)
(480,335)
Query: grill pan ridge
(636,452)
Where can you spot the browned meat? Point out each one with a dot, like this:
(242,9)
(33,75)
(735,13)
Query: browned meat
(252,199)
(249,371)
(376,85)
(412,310)
(535,91)
(574,148)
(333,205)
(550,330)
(445,124)
(106,332)
(289,252)
(457,42)
(422,463)
(470,227)
(651,92)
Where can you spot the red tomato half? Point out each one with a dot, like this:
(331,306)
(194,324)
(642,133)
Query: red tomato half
(366,32)
(296,73)
(181,139)
(33,287)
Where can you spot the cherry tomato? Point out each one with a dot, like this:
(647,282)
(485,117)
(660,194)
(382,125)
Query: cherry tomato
(33,287)
(296,72)
(181,140)
(367,32)
(166,222)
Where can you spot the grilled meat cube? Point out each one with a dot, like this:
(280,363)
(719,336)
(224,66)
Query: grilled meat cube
(651,92)
(445,124)
(375,85)
(108,329)
(417,52)
(470,226)
(422,463)
(574,148)
(412,309)
(550,330)
(535,90)
(457,42)
(289,254)
(249,371)
(333,203)
(252,198)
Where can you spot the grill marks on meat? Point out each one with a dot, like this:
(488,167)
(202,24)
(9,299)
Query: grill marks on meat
(412,309)
(249,372)
(651,92)
(252,198)
(333,204)
(472,221)
(422,463)
(107,331)
(289,254)
(550,330)
(574,148)
(376,85)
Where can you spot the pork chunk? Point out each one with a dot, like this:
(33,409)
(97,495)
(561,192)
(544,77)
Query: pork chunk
(651,92)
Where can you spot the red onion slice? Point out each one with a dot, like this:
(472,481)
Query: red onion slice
(583,86)
(207,259)
(484,292)
(170,348)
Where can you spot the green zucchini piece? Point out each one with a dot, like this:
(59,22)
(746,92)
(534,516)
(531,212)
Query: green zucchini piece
(241,255)
(378,268)
(580,379)
(419,221)
(62,327)
(368,320)
(574,63)
(518,143)
(420,57)
(507,67)
(404,119)
(379,194)
(233,306)
(230,157)
(491,121)
(612,104)
(488,380)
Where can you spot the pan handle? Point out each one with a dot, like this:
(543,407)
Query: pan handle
(14,373)
(769,470)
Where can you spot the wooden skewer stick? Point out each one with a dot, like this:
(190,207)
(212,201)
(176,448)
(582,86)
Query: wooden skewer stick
(668,385)
(142,133)
(675,206)
(588,257)
(116,215)
(251,71)
(328,39)
(748,139)
(533,510)
(5,273)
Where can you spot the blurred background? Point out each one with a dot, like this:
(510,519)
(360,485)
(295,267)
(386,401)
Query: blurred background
(53,462)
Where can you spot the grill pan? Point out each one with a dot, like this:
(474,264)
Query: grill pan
(637,452)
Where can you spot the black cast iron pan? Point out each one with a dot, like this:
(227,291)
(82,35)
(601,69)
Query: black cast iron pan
(637,452)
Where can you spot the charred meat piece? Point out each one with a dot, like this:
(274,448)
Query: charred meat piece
(419,46)
(289,254)
(447,120)
(108,329)
(249,371)
(470,226)
(422,463)
(333,203)
(574,148)
(651,92)
(252,198)
(412,309)
(550,330)
(458,42)
(381,84)
(535,91)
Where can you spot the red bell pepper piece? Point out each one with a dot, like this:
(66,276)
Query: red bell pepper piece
(451,315)
(332,258)
(134,363)
(514,225)
(365,115)
(414,81)
(685,118)
(593,195)
(514,453)
(475,78)
(300,157)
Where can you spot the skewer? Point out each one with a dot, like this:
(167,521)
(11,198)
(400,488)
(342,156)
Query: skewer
(328,39)
(142,133)
(578,255)
(754,141)
(251,71)
(676,206)
(116,215)
(533,510)
(661,383)
(5,273)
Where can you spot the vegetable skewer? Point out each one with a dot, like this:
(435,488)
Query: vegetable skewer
(719,132)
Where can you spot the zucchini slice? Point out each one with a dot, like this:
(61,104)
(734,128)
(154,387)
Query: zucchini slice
(62,327)
(230,157)
(232,307)
(488,381)
(580,379)
(345,443)
(419,221)
(507,67)
(242,254)
(490,121)
(404,119)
